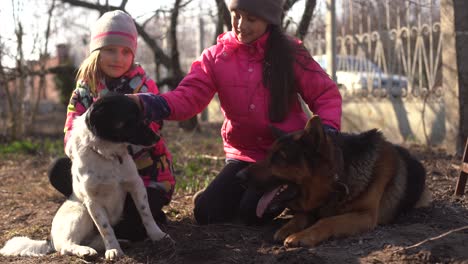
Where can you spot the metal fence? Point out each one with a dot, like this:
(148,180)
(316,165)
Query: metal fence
(385,48)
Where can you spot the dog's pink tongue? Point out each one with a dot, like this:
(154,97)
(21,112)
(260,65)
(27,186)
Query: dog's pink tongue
(265,201)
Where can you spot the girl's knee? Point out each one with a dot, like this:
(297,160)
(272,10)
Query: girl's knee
(201,214)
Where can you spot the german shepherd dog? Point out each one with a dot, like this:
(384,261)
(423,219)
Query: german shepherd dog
(102,174)
(336,184)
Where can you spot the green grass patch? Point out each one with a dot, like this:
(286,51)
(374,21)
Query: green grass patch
(52,147)
(195,173)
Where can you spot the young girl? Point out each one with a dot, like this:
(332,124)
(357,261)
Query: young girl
(110,67)
(258,73)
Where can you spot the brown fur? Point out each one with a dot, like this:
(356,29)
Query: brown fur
(350,183)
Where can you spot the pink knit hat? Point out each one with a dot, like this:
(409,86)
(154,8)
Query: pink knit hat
(114,28)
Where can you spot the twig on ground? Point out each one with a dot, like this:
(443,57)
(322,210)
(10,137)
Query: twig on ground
(433,238)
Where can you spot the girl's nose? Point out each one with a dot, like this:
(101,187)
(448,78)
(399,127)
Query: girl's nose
(118,56)
(241,24)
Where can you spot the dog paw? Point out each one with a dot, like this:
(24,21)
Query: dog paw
(281,234)
(300,240)
(80,251)
(169,239)
(156,236)
(166,241)
(113,254)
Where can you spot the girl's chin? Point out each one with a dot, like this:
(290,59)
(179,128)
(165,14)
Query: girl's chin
(244,40)
(114,74)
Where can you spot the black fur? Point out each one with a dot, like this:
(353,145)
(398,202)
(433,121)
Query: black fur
(118,118)
(416,180)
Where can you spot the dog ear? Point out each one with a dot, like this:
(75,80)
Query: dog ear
(277,133)
(314,123)
(314,132)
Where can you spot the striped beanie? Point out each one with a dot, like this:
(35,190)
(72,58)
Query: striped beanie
(269,10)
(114,28)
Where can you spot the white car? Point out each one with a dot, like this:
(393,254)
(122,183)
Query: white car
(360,76)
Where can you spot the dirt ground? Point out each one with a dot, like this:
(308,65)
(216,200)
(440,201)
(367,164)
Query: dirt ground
(438,234)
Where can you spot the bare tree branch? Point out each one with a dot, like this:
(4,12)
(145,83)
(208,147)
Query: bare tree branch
(159,56)
(98,7)
(223,13)
(123,4)
(306,19)
(175,62)
(288,4)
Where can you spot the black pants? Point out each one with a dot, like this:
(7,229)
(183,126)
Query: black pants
(131,226)
(228,199)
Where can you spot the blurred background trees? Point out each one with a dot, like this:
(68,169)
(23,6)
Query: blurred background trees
(43,42)
(172,35)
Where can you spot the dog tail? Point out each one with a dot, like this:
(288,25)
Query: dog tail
(24,246)
(425,200)
(417,194)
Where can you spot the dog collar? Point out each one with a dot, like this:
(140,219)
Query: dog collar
(115,156)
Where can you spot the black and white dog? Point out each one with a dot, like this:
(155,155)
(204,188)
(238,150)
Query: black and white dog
(103,172)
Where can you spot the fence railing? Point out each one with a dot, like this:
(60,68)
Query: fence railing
(386,49)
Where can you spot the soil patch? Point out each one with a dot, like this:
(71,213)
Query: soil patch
(438,234)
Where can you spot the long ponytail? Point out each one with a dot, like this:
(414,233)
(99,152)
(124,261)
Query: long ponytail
(278,73)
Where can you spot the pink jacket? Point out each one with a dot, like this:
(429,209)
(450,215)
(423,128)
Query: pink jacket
(234,71)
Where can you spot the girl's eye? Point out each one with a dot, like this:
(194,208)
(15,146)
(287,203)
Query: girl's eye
(251,19)
(126,51)
(110,50)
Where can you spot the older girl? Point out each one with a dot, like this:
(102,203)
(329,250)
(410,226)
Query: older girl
(259,74)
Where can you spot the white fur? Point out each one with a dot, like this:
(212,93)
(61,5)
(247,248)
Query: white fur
(24,246)
(100,184)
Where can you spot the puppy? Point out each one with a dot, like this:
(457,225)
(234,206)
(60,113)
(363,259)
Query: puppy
(336,184)
(103,172)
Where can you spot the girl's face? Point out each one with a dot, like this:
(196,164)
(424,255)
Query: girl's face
(115,60)
(247,28)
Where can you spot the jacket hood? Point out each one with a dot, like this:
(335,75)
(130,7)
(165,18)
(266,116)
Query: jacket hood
(230,44)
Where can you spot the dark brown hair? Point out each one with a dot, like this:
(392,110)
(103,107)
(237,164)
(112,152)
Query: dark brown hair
(278,72)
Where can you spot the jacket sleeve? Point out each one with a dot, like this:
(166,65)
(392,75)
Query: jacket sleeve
(155,107)
(319,92)
(192,95)
(80,100)
(152,88)
(195,91)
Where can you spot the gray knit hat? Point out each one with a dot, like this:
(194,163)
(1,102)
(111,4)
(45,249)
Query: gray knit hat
(270,10)
(114,28)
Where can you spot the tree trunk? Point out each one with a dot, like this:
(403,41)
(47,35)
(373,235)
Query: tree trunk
(17,107)
(461,36)
(306,19)
(176,71)
(224,18)
(43,58)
